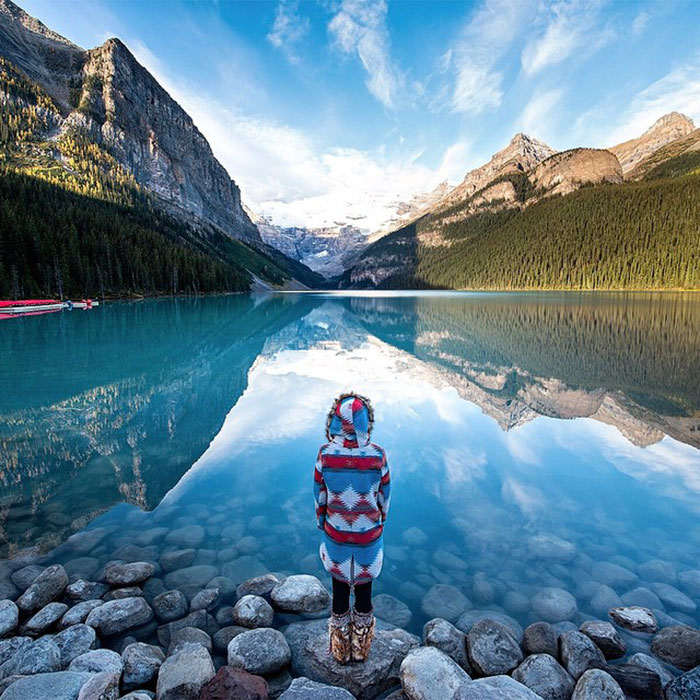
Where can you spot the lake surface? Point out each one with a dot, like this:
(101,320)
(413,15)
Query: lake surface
(534,440)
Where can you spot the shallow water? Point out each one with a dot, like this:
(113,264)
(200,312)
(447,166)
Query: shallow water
(531,437)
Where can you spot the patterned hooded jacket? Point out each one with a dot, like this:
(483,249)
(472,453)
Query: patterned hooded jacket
(351,491)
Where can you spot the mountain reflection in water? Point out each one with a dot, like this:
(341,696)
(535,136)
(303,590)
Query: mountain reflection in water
(470,389)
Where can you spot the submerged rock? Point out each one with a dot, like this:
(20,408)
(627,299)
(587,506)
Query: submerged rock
(554,605)
(392,610)
(492,649)
(427,673)
(445,601)
(308,642)
(673,598)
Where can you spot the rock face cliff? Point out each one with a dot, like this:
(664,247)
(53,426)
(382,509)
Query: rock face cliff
(107,95)
(566,171)
(670,127)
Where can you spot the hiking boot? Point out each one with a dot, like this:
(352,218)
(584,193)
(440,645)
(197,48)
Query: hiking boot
(339,636)
(361,634)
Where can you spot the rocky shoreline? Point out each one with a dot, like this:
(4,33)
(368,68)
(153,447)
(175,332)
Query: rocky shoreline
(147,629)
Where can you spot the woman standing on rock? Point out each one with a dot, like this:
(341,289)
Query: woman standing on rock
(351,490)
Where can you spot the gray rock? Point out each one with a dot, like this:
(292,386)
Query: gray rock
(658,570)
(300,593)
(685,687)
(505,686)
(86,590)
(74,641)
(182,675)
(306,689)
(427,673)
(206,599)
(199,619)
(542,674)
(222,637)
(64,685)
(652,664)
(9,647)
(392,610)
(477,690)
(605,637)
(690,580)
(597,685)
(98,661)
(42,656)
(78,613)
(141,664)
(243,568)
(468,619)
(178,559)
(260,651)
(635,681)
(444,636)
(308,642)
(190,536)
(540,638)
(642,597)
(253,611)
(447,560)
(554,605)
(492,649)
(552,548)
(516,602)
(445,601)
(678,645)
(577,652)
(117,616)
(260,585)
(48,586)
(673,598)
(44,619)
(24,577)
(604,599)
(613,575)
(120,593)
(189,635)
(9,617)
(128,574)
(197,576)
(169,606)
(634,618)
(414,537)
(103,686)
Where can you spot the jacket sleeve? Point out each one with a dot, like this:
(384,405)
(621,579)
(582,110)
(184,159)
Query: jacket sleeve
(384,495)
(320,493)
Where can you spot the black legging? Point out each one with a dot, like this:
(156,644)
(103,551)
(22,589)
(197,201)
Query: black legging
(341,597)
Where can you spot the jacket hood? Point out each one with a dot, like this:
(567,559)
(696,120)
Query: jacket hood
(351,418)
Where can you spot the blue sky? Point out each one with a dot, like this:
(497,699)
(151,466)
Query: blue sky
(325,111)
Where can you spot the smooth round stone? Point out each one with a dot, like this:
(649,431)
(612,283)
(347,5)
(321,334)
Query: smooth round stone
(184,674)
(516,603)
(540,638)
(141,664)
(117,616)
(45,588)
(188,635)
(448,560)
(658,570)
(577,652)
(690,581)
(414,537)
(306,689)
(98,661)
(9,617)
(248,544)
(552,548)
(243,568)
(605,637)
(483,591)
(253,611)
(260,585)
(604,599)
(613,575)
(427,673)
(392,610)
(499,688)
(225,586)
(446,601)
(260,651)
(63,685)
(443,635)
(554,605)
(74,641)
(169,606)
(468,619)
(24,577)
(178,559)
(492,649)
(119,575)
(189,536)
(86,590)
(300,593)
(678,645)
(42,620)
(634,618)
(119,593)
(198,575)
(596,684)
(642,597)
(542,674)
(206,599)
(673,598)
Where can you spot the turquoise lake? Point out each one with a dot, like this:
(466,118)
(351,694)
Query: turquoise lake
(534,440)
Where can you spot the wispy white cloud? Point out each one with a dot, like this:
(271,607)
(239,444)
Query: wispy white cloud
(640,23)
(486,38)
(539,113)
(288,29)
(360,26)
(572,25)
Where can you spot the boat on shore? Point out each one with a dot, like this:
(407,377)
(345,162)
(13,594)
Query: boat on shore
(10,309)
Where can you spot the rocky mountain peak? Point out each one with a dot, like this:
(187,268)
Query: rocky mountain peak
(673,121)
(31,24)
